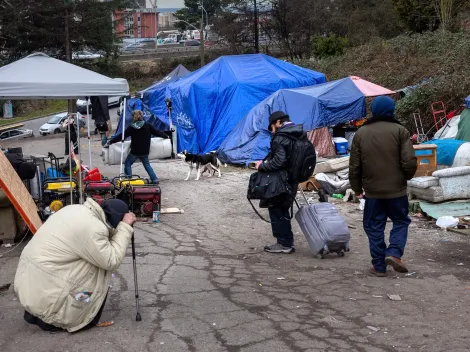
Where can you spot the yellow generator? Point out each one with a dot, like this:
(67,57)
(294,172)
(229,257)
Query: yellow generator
(59,192)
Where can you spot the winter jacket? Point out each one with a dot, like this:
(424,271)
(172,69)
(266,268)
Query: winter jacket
(382,159)
(278,159)
(141,134)
(75,251)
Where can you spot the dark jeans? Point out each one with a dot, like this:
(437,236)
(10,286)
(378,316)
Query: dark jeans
(131,159)
(73,139)
(280,223)
(48,327)
(376,212)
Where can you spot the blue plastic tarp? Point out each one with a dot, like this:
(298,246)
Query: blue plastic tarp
(154,113)
(314,107)
(210,102)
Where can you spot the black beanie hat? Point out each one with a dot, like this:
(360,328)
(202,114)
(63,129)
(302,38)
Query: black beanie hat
(277,115)
(114,209)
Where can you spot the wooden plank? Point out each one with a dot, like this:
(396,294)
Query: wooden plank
(18,195)
(424,146)
(465,232)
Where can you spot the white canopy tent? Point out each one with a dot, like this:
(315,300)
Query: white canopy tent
(39,76)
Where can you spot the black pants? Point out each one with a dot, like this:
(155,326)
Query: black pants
(73,139)
(48,327)
(280,223)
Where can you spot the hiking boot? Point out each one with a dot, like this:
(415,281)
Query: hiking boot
(279,248)
(396,264)
(377,273)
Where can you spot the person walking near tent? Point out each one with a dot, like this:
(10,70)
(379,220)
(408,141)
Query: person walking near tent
(64,272)
(141,134)
(284,132)
(382,160)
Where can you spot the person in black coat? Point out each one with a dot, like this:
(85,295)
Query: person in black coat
(141,134)
(277,160)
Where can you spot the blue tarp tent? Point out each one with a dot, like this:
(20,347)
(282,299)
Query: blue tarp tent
(322,105)
(210,102)
(158,115)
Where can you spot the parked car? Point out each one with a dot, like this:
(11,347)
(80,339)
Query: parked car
(192,43)
(86,55)
(54,125)
(169,41)
(17,133)
(134,47)
(81,104)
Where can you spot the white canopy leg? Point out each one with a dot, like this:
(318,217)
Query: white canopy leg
(79,160)
(123,116)
(88,126)
(71,147)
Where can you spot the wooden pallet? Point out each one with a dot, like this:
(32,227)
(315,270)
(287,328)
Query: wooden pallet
(465,232)
(18,195)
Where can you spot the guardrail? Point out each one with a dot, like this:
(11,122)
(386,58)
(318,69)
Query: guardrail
(160,53)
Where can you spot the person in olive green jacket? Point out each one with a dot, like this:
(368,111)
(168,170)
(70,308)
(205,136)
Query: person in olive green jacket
(382,160)
(64,272)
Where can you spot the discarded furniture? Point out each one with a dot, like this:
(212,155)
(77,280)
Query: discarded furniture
(427,162)
(332,165)
(443,185)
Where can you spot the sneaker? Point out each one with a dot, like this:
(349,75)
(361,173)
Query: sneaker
(279,248)
(396,264)
(155,182)
(377,273)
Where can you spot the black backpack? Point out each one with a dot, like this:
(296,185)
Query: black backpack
(302,158)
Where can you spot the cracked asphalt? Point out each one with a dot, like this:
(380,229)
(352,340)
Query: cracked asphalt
(206,285)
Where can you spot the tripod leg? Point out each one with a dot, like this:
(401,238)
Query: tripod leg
(136,285)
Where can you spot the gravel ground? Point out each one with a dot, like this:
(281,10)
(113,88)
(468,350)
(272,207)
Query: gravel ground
(206,284)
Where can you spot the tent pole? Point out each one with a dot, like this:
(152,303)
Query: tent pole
(88,125)
(173,146)
(71,147)
(123,116)
(79,160)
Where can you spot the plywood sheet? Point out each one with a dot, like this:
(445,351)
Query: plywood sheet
(18,195)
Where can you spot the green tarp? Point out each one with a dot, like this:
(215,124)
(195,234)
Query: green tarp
(464,126)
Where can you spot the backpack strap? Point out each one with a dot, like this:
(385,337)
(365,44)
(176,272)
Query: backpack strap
(257,212)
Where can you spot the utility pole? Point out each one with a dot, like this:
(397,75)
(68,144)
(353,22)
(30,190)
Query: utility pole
(255,15)
(202,35)
(156,25)
(72,104)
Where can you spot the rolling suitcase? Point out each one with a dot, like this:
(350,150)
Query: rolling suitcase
(324,228)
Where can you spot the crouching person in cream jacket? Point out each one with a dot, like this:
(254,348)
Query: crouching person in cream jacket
(64,272)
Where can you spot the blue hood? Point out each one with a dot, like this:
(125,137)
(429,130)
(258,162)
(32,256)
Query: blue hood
(383,106)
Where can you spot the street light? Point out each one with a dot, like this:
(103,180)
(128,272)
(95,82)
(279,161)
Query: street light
(189,24)
(207,16)
(156,24)
(202,34)
(201,39)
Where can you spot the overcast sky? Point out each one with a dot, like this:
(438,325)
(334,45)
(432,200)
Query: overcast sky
(170,3)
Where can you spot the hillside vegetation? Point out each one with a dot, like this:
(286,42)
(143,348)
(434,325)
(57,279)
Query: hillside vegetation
(442,58)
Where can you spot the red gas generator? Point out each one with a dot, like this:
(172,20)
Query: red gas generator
(99,191)
(143,198)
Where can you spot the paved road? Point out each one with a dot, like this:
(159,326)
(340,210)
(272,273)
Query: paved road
(36,124)
(206,284)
